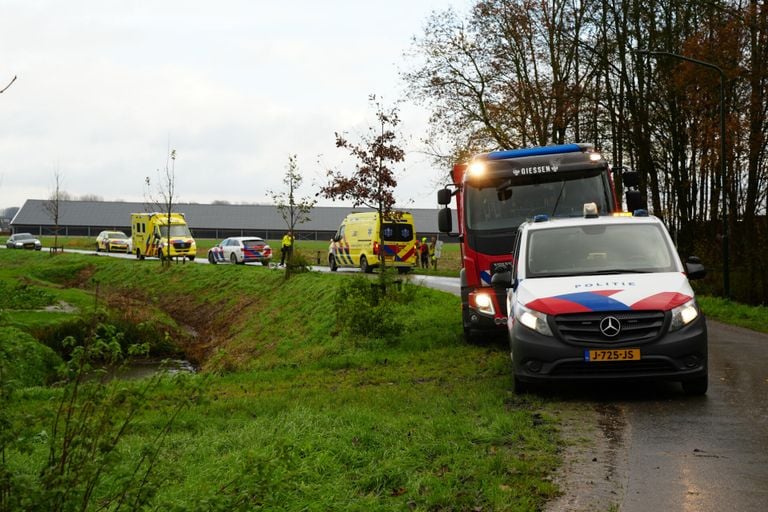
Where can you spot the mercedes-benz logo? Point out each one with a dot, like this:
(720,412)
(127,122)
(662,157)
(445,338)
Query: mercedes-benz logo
(610,326)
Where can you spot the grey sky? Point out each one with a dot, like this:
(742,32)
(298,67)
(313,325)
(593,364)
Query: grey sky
(234,86)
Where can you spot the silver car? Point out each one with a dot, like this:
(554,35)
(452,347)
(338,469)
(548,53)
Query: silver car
(23,241)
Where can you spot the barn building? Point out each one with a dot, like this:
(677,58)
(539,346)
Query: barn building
(88,218)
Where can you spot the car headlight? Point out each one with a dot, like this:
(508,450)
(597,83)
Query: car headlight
(683,315)
(534,320)
(484,302)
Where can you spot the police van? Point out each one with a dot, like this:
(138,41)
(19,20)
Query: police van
(361,240)
(603,298)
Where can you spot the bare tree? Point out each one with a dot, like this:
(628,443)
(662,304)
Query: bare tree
(53,205)
(91,197)
(164,196)
(373,182)
(293,210)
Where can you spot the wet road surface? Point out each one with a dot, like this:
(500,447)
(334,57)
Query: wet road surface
(705,453)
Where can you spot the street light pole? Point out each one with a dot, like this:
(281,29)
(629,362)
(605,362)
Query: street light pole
(726,265)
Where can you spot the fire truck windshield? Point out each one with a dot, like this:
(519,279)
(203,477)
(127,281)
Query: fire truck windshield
(503,203)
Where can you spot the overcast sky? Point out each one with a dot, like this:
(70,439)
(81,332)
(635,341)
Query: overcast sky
(235,86)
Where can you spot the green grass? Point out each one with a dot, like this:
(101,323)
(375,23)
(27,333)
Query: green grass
(730,312)
(313,250)
(299,415)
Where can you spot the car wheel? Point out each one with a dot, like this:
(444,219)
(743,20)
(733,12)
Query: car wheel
(332,263)
(696,387)
(211,258)
(520,386)
(233,258)
(364,266)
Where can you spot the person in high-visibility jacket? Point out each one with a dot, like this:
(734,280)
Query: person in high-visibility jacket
(287,247)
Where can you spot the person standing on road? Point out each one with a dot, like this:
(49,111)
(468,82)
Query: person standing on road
(286,248)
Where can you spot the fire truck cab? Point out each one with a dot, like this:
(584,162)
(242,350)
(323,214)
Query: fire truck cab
(495,193)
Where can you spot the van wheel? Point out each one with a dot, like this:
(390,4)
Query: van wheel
(332,263)
(364,265)
(696,387)
(233,258)
(191,258)
(520,386)
(138,254)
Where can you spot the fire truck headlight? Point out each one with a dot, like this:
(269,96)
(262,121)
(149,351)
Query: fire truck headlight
(683,315)
(476,169)
(533,320)
(484,303)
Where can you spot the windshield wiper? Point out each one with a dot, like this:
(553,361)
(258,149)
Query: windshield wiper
(620,271)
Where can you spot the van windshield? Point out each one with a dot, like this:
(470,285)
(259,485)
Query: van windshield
(599,249)
(176,230)
(396,232)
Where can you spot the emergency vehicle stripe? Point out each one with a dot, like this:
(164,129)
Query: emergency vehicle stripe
(585,302)
(577,303)
(408,254)
(663,301)
(485,276)
(342,255)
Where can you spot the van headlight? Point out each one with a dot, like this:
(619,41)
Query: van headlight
(484,303)
(683,315)
(533,320)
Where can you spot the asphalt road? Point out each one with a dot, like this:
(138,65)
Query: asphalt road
(708,453)
(667,451)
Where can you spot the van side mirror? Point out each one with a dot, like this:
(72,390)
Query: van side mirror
(444,197)
(444,219)
(635,201)
(694,268)
(630,179)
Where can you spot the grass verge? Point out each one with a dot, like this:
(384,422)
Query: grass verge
(300,414)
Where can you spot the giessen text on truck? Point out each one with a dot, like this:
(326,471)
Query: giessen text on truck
(152,235)
(498,191)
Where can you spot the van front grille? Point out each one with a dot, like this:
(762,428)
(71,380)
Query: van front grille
(635,326)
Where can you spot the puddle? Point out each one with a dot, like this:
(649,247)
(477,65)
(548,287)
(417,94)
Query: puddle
(143,369)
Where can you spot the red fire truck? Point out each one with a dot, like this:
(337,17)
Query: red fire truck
(495,193)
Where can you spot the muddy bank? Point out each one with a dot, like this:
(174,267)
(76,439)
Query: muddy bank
(593,475)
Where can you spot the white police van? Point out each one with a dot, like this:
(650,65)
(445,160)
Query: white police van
(603,298)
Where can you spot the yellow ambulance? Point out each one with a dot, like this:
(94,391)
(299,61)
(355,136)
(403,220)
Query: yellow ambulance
(153,236)
(358,242)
